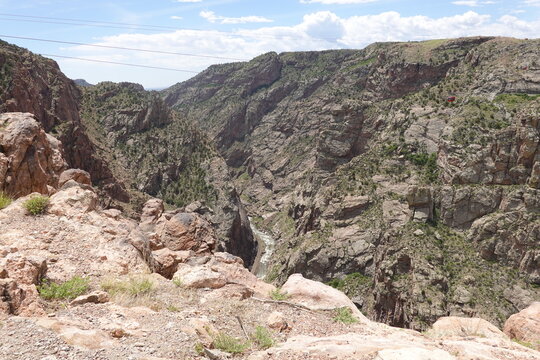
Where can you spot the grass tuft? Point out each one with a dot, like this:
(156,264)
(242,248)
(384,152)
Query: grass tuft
(262,337)
(345,316)
(135,286)
(278,295)
(229,344)
(65,291)
(199,348)
(134,291)
(4,200)
(36,205)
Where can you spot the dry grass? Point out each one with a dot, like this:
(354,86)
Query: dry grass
(136,290)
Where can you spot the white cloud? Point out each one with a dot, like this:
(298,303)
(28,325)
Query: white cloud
(336,2)
(213,18)
(174,17)
(473,3)
(532,2)
(188,1)
(317,31)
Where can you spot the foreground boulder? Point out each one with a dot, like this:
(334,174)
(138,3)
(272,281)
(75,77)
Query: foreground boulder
(453,326)
(30,159)
(217,271)
(525,326)
(318,296)
(188,231)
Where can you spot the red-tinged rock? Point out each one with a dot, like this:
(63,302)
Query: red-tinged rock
(525,325)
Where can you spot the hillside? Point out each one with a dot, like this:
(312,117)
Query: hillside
(365,175)
(354,166)
(78,281)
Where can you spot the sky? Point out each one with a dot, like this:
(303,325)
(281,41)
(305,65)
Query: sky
(187,36)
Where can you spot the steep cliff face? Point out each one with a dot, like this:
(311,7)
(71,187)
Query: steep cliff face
(34,84)
(369,177)
(130,142)
(158,153)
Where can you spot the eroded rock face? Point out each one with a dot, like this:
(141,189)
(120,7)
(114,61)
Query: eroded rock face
(78,175)
(511,158)
(525,326)
(36,85)
(29,158)
(188,231)
(92,242)
(19,276)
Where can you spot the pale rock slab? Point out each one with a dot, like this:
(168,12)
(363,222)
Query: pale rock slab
(318,296)
(525,325)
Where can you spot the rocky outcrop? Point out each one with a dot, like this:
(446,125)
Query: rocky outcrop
(217,271)
(30,160)
(317,296)
(77,175)
(19,276)
(188,231)
(453,326)
(510,157)
(161,154)
(34,84)
(365,175)
(525,326)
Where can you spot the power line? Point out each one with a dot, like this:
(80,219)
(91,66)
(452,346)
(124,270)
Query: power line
(121,48)
(120,63)
(89,21)
(151,28)
(79,24)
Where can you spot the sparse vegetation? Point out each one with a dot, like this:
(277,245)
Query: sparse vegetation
(345,316)
(262,337)
(525,343)
(68,290)
(134,286)
(177,281)
(199,348)
(229,344)
(173,308)
(350,282)
(513,101)
(134,291)
(4,200)
(36,205)
(278,295)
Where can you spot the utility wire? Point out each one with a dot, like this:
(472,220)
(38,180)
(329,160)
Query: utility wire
(88,21)
(78,24)
(120,48)
(151,28)
(120,63)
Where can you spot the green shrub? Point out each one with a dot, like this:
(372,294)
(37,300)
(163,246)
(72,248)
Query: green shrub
(263,338)
(36,205)
(345,316)
(4,200)
(67,290)
(229,344)
(278,295)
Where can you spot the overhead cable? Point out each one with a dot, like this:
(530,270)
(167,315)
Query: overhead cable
(151,28)
(120,63)
(121,48)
